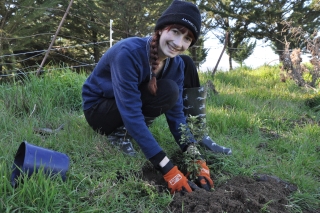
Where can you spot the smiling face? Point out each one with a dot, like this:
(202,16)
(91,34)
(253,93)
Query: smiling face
(173,41)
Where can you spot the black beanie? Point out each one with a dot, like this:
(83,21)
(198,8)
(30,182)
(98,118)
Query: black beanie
(183,13)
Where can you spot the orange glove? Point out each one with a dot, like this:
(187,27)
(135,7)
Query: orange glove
(204,180)
(178,182)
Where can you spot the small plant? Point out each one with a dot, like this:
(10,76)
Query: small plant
(197,127)
(264,209)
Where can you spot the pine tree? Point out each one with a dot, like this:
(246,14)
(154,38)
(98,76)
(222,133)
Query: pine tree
(243,51)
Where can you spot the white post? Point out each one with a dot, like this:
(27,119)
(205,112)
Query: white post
(111,32)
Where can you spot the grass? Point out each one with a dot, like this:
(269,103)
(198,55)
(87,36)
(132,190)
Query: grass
(266,122)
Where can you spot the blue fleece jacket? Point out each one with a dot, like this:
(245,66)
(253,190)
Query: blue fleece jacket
(118,75)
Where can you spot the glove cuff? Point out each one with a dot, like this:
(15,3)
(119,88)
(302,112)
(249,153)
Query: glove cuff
(161,162)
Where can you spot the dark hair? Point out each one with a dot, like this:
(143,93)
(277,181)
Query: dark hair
(154,58)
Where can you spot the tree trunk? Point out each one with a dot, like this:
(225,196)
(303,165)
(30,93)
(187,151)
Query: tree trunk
(96,52)
(230,61)
(224,48)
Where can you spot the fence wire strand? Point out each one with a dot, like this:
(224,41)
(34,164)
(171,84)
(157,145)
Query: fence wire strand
(58,50)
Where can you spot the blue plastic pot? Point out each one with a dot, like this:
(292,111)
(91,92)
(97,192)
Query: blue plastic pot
(30,158)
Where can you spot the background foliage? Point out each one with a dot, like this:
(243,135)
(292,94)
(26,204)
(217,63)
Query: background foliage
(27,28)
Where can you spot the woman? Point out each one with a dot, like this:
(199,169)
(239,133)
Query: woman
(139,79)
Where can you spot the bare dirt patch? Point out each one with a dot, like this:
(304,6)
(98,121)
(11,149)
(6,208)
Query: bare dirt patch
(261,193)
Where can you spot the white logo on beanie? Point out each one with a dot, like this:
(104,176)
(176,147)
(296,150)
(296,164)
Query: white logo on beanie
(189,22)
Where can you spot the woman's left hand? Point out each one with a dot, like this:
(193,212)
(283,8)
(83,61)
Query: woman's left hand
(203,177)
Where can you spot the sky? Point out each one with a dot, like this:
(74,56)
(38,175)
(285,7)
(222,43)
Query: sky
(262,54)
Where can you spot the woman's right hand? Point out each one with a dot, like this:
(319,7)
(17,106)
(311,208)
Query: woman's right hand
(178,182)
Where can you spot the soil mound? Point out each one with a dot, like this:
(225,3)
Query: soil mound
(263,193)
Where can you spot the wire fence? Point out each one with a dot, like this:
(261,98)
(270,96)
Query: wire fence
(20,67)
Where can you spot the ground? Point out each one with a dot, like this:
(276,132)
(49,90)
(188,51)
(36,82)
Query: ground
(259,194)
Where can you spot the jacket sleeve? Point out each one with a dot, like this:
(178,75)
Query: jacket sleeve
(126,73)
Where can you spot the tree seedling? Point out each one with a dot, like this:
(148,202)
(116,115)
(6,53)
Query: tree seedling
(196,127)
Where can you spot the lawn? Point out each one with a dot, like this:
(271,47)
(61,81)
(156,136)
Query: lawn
(270,125)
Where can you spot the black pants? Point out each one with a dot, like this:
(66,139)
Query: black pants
(191,77)
(104,117)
